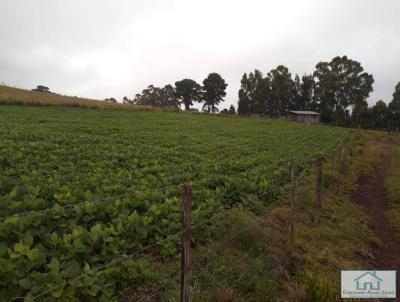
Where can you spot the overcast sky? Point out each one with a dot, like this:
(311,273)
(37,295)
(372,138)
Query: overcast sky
(99,48)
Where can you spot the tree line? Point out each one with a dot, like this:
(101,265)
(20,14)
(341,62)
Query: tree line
(384,116)
(338,90)
(185,92)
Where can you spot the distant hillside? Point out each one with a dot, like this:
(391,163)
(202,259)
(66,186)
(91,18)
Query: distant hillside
(17,96)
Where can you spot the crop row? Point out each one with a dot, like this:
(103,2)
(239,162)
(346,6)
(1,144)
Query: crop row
(90,183)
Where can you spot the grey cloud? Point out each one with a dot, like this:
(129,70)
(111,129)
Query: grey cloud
(114,48)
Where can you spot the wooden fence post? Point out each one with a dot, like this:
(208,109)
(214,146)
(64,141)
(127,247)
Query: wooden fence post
(186,258)
(320,159)
(333,163)
(343,160)
(293,205)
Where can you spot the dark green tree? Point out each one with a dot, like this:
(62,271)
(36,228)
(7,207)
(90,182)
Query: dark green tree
(187,91)
(394,108)
(126,100)
(168,96)
(339,84)
(304,96)
(260,91)
(213,92)
(41,88)
(232,110)
(244,103)
(156,97)
(110,100)
(297,100)
(253,93)
(138,99)
(282,93)
(379,115)
(151,96)
(361,116)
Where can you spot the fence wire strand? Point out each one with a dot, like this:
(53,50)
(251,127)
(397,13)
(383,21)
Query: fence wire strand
(305,167)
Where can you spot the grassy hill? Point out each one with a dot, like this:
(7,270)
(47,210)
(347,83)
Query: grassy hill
(17,96)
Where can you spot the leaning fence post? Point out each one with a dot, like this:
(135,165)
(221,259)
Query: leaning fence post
(186,259)
(319,180)
(293,205)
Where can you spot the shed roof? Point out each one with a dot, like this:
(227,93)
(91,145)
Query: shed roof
(304,112)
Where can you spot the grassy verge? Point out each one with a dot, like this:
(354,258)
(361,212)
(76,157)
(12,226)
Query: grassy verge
(251,261)
(392,186)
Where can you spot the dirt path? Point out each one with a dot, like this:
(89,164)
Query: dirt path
(371,195)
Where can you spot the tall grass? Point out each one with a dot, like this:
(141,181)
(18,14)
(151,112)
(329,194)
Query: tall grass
(392,181)
(17,96)
(320,288)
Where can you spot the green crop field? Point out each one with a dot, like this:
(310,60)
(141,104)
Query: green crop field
(79,188)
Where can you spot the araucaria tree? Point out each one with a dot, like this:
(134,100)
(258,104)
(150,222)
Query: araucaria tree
(213,92)
(340,84)
(187,91)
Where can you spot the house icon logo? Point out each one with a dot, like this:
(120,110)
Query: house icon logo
(367,284)
(368,281)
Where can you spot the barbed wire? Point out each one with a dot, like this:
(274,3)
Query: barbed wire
(133,253)
(102,267)
(196,182)
(101,200)
(149,296)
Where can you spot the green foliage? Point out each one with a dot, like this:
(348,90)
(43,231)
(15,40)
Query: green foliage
(320,288)
(232,110)
(305,94)
(392,187)
(394,107)
(213,91)
(276,93)
(187,91)
(283,92)
(379,115)
(253,93)
(239,262)
(341,83)
(75,162)
(157,97)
